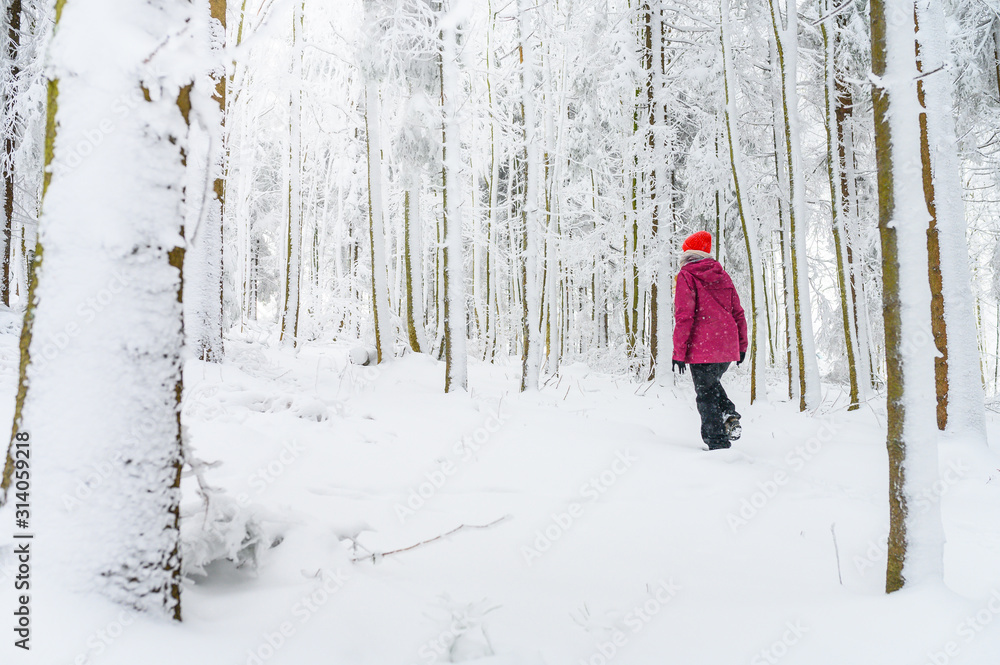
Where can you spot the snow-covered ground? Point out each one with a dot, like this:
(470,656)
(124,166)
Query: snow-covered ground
(594,528)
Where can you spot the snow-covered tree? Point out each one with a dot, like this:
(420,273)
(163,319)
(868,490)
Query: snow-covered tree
(455,318)
(203,258)
(915,548)
(100,383)
(958,376)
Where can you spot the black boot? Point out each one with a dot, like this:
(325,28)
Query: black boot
(731,424)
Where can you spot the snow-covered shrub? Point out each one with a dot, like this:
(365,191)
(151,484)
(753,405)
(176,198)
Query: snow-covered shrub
(223,530)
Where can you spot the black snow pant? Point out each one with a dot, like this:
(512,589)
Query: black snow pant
(713,403)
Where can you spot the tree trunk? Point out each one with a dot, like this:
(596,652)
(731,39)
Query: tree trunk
(212,346)
(10,143)
(455,317)
(652,114)
(915,544)
(850,226)
(293,248)
(123,241)
(492,314)
(413,268)
(748,221)
(786,41)
(531,349)
(960,397)
(384,338)
(781,177)
(835,116)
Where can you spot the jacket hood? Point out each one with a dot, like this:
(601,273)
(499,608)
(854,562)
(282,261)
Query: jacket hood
(707,271)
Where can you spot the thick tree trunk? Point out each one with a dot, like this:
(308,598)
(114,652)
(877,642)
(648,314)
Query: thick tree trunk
(915,544)
(124,239)
(960,398)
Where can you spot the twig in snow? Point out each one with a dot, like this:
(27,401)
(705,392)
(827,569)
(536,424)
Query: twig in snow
(646,388)
(376,556)
(836,550)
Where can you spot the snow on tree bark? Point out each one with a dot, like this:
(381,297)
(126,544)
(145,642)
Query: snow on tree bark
(749,222)
(787,43)
(835,131)
(915,545)
(413,268)
(100,385)
(781,177)
(206,156)
(12,73)
(455,317)
(293,248)
(961,402)
(530,258)
(384,338)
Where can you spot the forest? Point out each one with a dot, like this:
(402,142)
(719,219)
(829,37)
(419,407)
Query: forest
(345,331)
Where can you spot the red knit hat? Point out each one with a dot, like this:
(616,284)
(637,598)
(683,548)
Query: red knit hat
(701,241)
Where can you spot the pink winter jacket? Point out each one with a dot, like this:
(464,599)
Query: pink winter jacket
(709,324)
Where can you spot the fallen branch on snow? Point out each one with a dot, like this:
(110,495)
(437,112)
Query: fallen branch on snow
(375,557)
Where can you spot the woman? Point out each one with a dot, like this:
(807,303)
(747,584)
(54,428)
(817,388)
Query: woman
(710,332)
